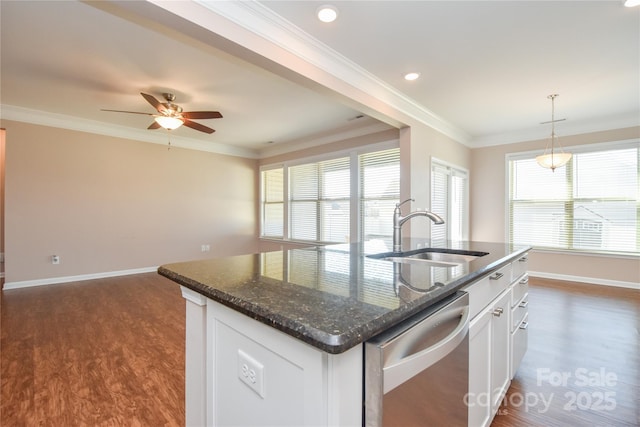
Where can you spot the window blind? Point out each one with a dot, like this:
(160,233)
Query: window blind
(379,193)
(272,202)
(319,201)
(449,199)
(591,204)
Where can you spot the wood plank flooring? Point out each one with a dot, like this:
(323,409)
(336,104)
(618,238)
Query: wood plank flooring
(582,367)
(110,352)
(107,352)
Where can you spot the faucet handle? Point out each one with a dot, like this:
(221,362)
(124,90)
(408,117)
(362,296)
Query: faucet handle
(402,203)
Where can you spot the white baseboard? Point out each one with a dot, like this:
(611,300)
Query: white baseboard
(67,279)
(590,280)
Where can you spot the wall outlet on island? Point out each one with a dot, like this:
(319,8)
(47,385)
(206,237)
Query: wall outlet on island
(251,372)
(205,248)
(55,259)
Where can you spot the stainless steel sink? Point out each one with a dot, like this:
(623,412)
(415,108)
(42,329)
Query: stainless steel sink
(411,260)
(431,256)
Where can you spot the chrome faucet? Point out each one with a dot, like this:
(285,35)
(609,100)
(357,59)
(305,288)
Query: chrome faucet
(398,220)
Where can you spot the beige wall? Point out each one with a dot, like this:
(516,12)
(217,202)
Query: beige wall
(488,206)
(106,204)
(419,144)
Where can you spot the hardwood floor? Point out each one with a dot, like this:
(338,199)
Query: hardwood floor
(106,352)
(582,367)
(110,352)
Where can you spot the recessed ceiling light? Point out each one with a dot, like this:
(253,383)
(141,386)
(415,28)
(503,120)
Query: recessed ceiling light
(411,76)
(327,13)
(632,3)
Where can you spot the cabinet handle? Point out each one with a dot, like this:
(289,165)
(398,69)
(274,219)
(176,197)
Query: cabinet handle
(498,311)
(524,304)
(496,276)
(524,325)
(523,259)
(524,281)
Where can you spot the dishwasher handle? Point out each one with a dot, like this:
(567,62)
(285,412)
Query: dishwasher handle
(403,369)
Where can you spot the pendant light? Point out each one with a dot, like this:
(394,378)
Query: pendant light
(552,159)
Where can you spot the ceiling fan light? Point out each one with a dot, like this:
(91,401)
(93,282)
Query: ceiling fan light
(169,123)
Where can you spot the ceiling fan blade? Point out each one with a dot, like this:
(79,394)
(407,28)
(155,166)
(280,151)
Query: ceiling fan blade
(198,126)
(154,125)
(156,104)
(202,115)
(130,112)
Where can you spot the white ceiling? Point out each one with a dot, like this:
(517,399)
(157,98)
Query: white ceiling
(486,69)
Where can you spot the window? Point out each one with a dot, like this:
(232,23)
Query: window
(379,193)
(335,200)
(319,195)
(450,200)
(590,205)
(272,202)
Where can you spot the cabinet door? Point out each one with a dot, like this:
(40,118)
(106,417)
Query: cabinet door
(479,397)
(500,334)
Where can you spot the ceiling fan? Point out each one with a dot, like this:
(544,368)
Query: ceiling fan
(170,116)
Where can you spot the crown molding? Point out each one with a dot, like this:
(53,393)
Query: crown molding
(266,24)
(567,128)
(366,127)
(44,118)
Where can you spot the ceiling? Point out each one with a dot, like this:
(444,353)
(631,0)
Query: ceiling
(486,69)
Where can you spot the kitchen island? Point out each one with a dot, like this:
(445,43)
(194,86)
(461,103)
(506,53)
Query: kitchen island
(276,337)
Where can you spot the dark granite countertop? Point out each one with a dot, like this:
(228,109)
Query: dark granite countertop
(335,297)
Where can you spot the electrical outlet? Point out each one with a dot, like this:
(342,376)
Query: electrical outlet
(55,259)
(251,372)
(205,248)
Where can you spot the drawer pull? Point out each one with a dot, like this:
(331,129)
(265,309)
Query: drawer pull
(524,281)
(523,304)
(523,259)
(496,276)
(524,325)
(498,311)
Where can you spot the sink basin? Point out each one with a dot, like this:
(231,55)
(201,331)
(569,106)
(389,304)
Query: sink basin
(433,256)
(423,261)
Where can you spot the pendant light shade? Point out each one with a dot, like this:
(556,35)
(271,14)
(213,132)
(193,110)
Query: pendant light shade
(553,158)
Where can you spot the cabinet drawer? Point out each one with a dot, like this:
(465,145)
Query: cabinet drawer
(485,290)
(520,266)
(519,312)
(520,289)
(501,279)
(519,342)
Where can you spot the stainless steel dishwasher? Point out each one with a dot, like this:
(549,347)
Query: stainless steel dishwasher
(417,373)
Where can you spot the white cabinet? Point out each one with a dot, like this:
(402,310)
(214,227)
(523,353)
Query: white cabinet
(242,372)
(261,376)
(500,360)
(479,398)
(497,337)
